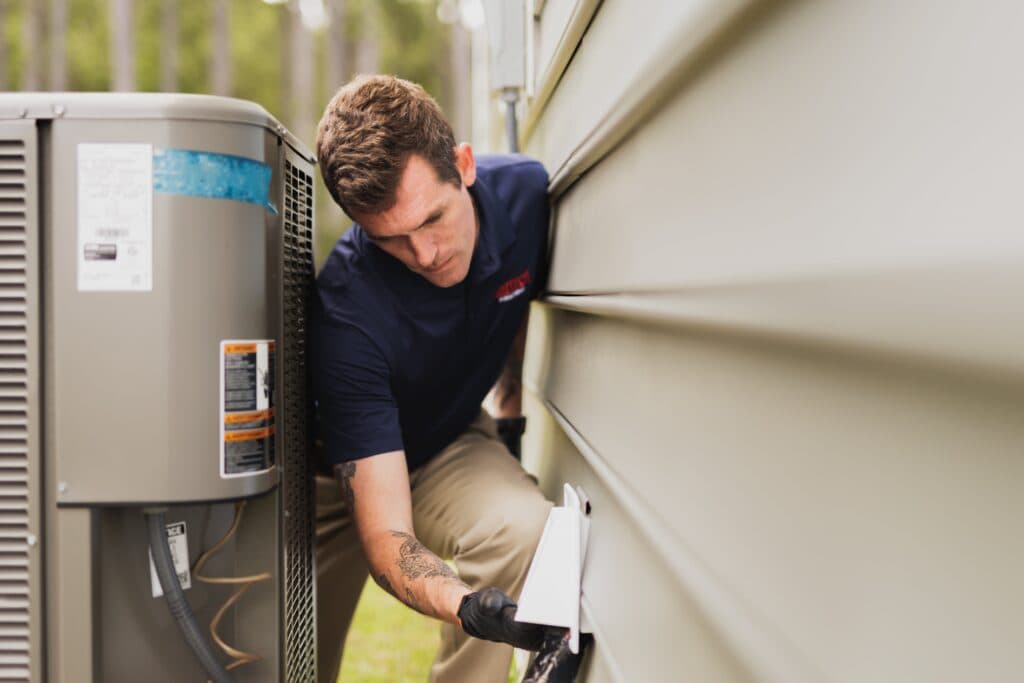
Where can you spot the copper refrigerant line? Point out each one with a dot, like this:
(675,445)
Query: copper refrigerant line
(239,657)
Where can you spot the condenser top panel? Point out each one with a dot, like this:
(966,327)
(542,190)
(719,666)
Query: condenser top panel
(143,106)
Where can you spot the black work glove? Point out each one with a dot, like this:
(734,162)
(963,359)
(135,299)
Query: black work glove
(510,430)
(490,614)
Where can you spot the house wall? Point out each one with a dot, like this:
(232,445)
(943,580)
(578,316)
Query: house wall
(781,348)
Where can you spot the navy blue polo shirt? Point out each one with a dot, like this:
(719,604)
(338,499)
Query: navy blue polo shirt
(400,364)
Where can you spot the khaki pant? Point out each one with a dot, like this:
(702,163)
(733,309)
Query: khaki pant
(474,504)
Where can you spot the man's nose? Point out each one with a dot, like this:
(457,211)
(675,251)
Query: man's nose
(423,250)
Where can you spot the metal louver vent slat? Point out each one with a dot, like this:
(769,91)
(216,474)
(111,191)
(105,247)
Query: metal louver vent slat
(15,640)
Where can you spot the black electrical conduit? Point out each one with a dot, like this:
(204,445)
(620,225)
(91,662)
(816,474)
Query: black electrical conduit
(156,521)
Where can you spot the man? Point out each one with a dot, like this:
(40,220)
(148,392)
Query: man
(422,308)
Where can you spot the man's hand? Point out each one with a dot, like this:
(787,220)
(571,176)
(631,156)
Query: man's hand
(490,614)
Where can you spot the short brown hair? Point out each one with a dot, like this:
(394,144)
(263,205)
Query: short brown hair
(367,133)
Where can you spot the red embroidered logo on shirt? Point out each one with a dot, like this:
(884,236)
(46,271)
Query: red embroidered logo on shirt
(513,288)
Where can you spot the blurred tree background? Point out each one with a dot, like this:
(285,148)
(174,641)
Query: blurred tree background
(288,55)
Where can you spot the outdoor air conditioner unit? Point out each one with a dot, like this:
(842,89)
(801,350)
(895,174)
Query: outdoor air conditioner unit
(155,272)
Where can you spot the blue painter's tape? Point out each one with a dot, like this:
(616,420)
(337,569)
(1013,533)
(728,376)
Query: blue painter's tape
(218,176)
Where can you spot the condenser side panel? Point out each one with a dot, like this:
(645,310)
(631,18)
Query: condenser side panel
(100,589)
(139,350)
(21,595)
(127,609)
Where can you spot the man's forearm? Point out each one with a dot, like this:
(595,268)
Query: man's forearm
(508,390)
(404,567)
(378,497)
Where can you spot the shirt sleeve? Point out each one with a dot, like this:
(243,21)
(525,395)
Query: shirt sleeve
(356,409)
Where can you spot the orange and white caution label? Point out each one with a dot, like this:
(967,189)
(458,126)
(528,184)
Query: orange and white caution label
(247,407)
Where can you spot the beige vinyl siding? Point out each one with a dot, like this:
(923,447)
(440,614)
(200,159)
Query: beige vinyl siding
(550,26)
(646,623)
(555,30)
(829,514)
(782,348)
(624,64)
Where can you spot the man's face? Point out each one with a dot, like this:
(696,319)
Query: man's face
(432,228)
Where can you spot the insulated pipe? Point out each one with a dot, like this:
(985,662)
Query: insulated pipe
(156,521)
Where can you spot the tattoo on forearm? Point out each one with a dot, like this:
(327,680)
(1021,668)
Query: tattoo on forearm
(345,472)
(416,561)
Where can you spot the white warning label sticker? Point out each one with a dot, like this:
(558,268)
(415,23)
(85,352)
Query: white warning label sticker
(177,538)
(115,217)
(247,407)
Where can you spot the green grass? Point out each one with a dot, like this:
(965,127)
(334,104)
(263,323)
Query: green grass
(390,643)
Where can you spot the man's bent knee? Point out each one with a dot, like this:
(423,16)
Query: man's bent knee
(509,535)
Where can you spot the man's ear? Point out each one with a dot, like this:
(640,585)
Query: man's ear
(465,162)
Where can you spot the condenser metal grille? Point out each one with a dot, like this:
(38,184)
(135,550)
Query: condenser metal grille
(14,457)
(300,617)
